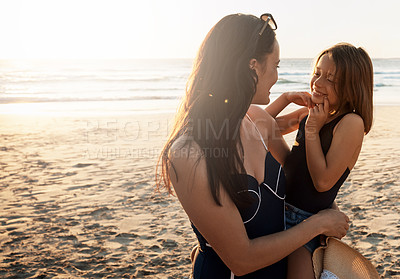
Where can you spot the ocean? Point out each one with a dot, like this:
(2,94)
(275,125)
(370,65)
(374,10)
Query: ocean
(139,86)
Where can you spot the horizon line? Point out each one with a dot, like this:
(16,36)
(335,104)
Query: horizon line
(143,58)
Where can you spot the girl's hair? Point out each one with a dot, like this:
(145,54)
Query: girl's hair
(218,94)
(354,85)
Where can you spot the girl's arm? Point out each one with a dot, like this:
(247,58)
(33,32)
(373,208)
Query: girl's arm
(223,227)
(289,122)
(343,152)
(299,98)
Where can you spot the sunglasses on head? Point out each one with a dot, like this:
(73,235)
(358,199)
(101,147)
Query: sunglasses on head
(269,20)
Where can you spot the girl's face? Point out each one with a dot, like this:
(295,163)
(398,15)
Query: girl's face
(267,75)
(323,82)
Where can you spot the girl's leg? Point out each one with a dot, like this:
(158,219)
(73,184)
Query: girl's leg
(300,265)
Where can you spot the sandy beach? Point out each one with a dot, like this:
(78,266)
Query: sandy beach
(77,198)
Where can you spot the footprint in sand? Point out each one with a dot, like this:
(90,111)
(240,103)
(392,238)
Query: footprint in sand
(80,165)
(168,243)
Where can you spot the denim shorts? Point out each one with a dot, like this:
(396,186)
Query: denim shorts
(295,216)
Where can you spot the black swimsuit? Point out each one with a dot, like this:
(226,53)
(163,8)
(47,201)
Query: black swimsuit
(300,189)
(263,217)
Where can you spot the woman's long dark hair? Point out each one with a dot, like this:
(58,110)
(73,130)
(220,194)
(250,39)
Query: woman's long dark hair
(218,94)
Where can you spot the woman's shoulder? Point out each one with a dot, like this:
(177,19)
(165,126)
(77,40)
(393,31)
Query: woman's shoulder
(259,116)
(255,112)
(184,149)
(262,119)
(188,165)
(185,154)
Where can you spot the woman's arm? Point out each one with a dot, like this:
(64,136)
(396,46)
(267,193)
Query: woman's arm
(289,122)
(223,227)
(343,152)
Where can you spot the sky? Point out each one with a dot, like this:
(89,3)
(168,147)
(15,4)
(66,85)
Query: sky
(175,29)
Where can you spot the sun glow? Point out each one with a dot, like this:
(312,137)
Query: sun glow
(24,108)
(74,29)
(175,28)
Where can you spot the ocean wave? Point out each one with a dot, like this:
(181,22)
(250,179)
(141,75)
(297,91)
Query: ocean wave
(294,73)
(155,89)
(133,79)
(382,85)
(391,77)
(12,100)
(86,78)
(387,73)
(287,81)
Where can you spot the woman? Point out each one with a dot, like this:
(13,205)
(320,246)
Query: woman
(212,158)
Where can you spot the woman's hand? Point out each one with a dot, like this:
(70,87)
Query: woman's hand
(299,98)
(333,222)
(317,117)
(335,206)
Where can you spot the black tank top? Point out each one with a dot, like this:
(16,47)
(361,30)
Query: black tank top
(300,190)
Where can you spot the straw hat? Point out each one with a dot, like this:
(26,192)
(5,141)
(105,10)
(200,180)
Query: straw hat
(338,260)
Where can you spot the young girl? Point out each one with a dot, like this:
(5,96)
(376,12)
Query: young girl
(328,141)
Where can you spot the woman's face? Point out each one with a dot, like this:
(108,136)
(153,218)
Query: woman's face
(323,82)
(267,75)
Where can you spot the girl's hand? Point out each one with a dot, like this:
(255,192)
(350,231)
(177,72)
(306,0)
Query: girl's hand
(317,117)
(299,98)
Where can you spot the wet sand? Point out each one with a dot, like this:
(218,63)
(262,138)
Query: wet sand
(77,198)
